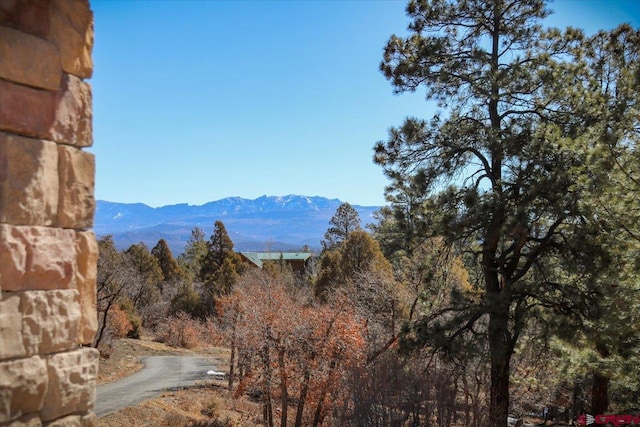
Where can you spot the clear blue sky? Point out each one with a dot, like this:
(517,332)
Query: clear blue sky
(195,101)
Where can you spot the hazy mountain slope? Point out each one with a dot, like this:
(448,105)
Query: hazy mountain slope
(265,223)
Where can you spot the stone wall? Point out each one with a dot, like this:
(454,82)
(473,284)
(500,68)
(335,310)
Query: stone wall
(47,252)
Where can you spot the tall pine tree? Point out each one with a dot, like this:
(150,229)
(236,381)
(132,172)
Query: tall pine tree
(168,264)
(191,259)
(507,166)
(221,266)
(344,221)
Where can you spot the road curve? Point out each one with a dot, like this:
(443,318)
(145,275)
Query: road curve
(160,373)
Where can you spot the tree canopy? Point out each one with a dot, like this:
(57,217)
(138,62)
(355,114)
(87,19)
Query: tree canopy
(168,264)
(344,221)
(507,166)
(220,266)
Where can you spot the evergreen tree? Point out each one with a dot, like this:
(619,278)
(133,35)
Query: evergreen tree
(506,169)
(144,290)
(187,301)
(344,221)
(330,274)
(168,264)
(145,263)
(221,266)
(194,252)
(609,345)
(359,253)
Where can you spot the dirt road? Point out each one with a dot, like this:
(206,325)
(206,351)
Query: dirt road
(160,373)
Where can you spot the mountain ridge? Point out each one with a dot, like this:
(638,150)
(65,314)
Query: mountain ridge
(265,223)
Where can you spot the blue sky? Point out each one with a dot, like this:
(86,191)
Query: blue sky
(195,101)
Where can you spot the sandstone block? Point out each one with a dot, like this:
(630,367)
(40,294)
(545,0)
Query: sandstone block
(70,421)
(36,258)
(86,276)
(74,114)
(28,180)
(11,344)
(89,420)
(23,385)
(25,110)
(31,420)
(76,203)
(26,15)
(28,60)
(50,320)
(72,383)
(74,421)
(72,31)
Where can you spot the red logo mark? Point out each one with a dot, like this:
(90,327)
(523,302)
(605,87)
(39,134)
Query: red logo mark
(616,420)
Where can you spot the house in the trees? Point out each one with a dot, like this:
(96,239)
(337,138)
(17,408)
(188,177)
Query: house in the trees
(297,260)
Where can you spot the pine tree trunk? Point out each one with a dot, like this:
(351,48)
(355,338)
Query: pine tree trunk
(600,388)
(499,405)
(600,394)
(500,349)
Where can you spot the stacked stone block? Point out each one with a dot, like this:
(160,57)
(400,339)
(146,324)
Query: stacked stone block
(48,253)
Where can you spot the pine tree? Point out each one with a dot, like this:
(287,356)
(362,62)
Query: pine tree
(144,290)
(344,221)
(220,266)
(168,264)
(506,168)
(194,252)
(610,105)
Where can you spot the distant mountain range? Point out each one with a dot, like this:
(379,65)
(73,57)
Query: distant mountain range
(263,224)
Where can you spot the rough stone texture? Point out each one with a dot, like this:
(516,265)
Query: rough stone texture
(28,180)
(23,385)
(74,421)
(86,276)
(72,31)
(63,116)
(50,321)
(26,111)
(31,420)
(90,420)
(37,258)
(26,15)
(76,203)
(11,327)
(70,421)
(28,59)
(72,383)
(74,115)
(47,260)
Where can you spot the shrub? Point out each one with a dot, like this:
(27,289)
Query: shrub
(181,331)
(134,318)
(119,322)
(186,300)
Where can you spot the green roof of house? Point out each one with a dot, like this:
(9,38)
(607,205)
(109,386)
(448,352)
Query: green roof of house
(258,258)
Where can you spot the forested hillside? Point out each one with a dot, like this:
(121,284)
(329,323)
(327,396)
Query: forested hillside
(268,222)
(500,282)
